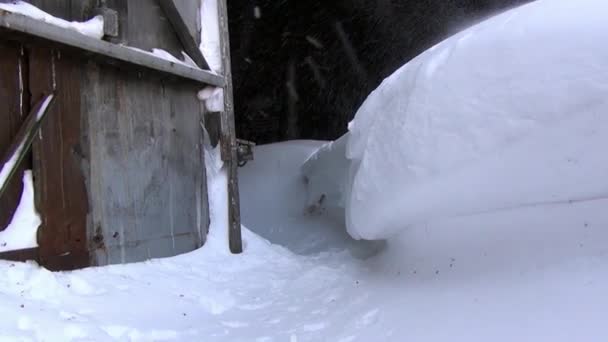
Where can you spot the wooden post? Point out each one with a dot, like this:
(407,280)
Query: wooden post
(228,136)
(23,141)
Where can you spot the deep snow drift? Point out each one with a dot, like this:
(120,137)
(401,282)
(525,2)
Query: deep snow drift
(528,274)
(511,112)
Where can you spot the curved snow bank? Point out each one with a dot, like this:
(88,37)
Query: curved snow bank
(511,112)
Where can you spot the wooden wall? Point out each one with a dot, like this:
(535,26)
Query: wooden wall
(13,75)
(119,165)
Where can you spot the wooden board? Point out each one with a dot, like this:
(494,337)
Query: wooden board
(180,14)
(20,28)
(228,137)
(145,166)
(61,196)
(12,113)
(120,167)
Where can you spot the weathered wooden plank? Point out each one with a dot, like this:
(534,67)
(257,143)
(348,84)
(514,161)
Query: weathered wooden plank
(20,255)
(19,148)
(16,23)
(61,196)
(179,14)
(148,27)
(229,136)
(145,166)
(12,114)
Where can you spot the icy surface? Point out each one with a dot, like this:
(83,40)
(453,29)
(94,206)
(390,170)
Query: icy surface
(519,99)
(21,232)
(92,28)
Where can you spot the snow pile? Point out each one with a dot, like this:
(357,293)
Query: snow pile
(21,232)
(506,276)
(276,204)
(210,35)
(213,98)
(7,167)
(92,28)
(509,113)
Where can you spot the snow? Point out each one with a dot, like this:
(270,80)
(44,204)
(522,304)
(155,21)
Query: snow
(518,99)
(535,270)
(530,273)
(6,169)
(213,98)
(21,232)
(257,12)
(163,54)
(210,35)
(92,27)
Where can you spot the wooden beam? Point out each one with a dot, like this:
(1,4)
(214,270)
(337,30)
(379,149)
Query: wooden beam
(180,26)
(228,137)
(20,255)
(20,24)
(23,141)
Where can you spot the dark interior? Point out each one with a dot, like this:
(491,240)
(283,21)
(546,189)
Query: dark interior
(302,68)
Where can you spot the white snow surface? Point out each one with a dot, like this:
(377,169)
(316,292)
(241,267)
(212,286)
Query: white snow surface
(528,274)
(210,35)
(92,27)
(7,167)
(213,98)
(509,113)
(21,232)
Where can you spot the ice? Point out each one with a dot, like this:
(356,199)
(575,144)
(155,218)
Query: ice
(518,99)
(92,28)
(21,232)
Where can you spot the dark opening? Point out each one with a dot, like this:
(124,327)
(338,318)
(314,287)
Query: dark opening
(302,68)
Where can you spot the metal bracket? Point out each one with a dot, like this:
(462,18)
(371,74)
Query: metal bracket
(110,20)
(244,151)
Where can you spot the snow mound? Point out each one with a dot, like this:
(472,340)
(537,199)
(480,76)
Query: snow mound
(21,232)
(509,113)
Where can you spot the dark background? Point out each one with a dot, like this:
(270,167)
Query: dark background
(303,68)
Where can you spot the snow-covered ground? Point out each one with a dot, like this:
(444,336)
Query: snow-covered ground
(536,274)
